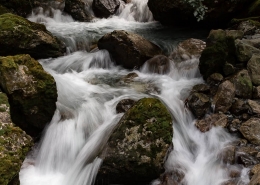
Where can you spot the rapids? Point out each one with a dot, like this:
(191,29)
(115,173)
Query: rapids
(89,89)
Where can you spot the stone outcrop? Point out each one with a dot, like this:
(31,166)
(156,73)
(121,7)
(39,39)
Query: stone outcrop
(31,92)
(105,8)
(20,36)
(137,148)
(79,10)
(128,49)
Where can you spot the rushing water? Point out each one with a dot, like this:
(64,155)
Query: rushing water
(89,88)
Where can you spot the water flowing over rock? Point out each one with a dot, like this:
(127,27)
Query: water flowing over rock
(31,91)
(251,129)
(105,8)
(159,64)
(188,49)
(79,9)
(224,97)
(20,36)
(137,148)
(15,145)
(205,124)
(128,49)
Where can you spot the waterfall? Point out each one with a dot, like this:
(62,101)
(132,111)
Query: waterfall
(88,92)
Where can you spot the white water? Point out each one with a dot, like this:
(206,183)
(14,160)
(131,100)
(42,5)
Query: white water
(89,88)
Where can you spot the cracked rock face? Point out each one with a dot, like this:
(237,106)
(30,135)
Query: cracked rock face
(138,147)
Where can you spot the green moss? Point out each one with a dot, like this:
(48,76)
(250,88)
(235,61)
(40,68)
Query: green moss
(14,146)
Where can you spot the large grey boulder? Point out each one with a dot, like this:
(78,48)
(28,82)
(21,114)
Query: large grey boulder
(128,49)
(137,148)
(31,92)
(105,8)
(20,36)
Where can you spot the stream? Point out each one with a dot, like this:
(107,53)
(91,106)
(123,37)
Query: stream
(89,88)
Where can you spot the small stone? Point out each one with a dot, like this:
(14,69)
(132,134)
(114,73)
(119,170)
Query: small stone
(199,104)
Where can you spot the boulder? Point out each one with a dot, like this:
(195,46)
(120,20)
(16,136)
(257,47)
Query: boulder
(219,51)
(105,8)
(20,36)
(255,173)
(243,84)
(251,129)
(202,88)
(15,144)
(254,106)
(159,64)
(137,148)
(188,49)
(207,123)
(239,107)
(223,99)
(256,92)
(128,49)
(183,12)
(248,27)
(199,104)
(31,92)
(79,10)
(244,51)
(247,156)
(253,67)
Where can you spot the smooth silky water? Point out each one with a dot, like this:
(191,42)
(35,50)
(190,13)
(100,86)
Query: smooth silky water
(89,88)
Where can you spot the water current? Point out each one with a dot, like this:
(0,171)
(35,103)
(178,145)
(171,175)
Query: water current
(89,88)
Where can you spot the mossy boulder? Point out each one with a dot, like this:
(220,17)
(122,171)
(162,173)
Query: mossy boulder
(128,49)
(31,92)
(14,146)
(137,148)
(20,36)
(219,51)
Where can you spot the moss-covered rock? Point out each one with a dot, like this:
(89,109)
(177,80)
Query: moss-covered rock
(31,92)
(14,146)
(137,148)
(220,50)
(20,36)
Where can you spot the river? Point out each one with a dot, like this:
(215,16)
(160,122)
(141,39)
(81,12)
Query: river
(89,89)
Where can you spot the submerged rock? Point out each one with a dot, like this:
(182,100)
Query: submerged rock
(20,36)
(31,92)
(79,10)
(137,148)
(105,8)
(128,49)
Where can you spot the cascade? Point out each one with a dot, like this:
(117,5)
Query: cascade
(87,97)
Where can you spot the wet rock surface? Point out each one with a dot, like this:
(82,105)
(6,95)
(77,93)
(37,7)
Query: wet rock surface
(105,8)
(128,49)
(79,10)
